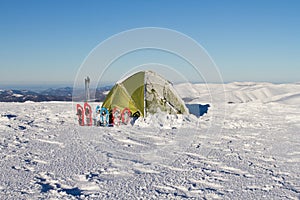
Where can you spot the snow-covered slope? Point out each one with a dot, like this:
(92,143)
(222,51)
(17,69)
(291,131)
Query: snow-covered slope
(252,153)
(241,92)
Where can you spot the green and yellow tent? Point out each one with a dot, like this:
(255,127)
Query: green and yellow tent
(145,92)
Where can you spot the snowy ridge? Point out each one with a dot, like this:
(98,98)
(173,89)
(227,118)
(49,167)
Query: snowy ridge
(45,155)
(241,92)
(61,94)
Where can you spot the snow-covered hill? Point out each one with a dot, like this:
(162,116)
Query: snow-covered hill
(251,153)
(241,92)
(60,94)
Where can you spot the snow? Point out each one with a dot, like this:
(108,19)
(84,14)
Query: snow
(106,92)
(17,95)
(256,155)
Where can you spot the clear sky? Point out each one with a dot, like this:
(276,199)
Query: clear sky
(46,41)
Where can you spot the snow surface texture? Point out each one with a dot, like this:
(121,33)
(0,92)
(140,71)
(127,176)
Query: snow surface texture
(45,155)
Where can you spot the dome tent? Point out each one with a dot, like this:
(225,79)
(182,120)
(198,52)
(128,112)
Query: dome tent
(145,92)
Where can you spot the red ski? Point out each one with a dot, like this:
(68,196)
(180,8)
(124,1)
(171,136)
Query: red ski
(80,114)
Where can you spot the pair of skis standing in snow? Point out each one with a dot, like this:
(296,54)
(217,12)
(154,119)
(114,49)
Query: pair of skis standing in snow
(103,116)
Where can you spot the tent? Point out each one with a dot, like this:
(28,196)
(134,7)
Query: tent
(145,92)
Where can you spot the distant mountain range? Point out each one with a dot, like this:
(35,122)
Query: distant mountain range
(60,94)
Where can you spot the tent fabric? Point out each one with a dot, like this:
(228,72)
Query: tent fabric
(145,92)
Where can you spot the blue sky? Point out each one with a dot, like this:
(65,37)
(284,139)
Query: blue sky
(46,41)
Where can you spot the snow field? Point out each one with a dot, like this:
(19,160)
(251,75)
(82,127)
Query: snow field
(46,155)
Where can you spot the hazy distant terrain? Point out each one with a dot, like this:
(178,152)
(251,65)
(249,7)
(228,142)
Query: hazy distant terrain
(58,94)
